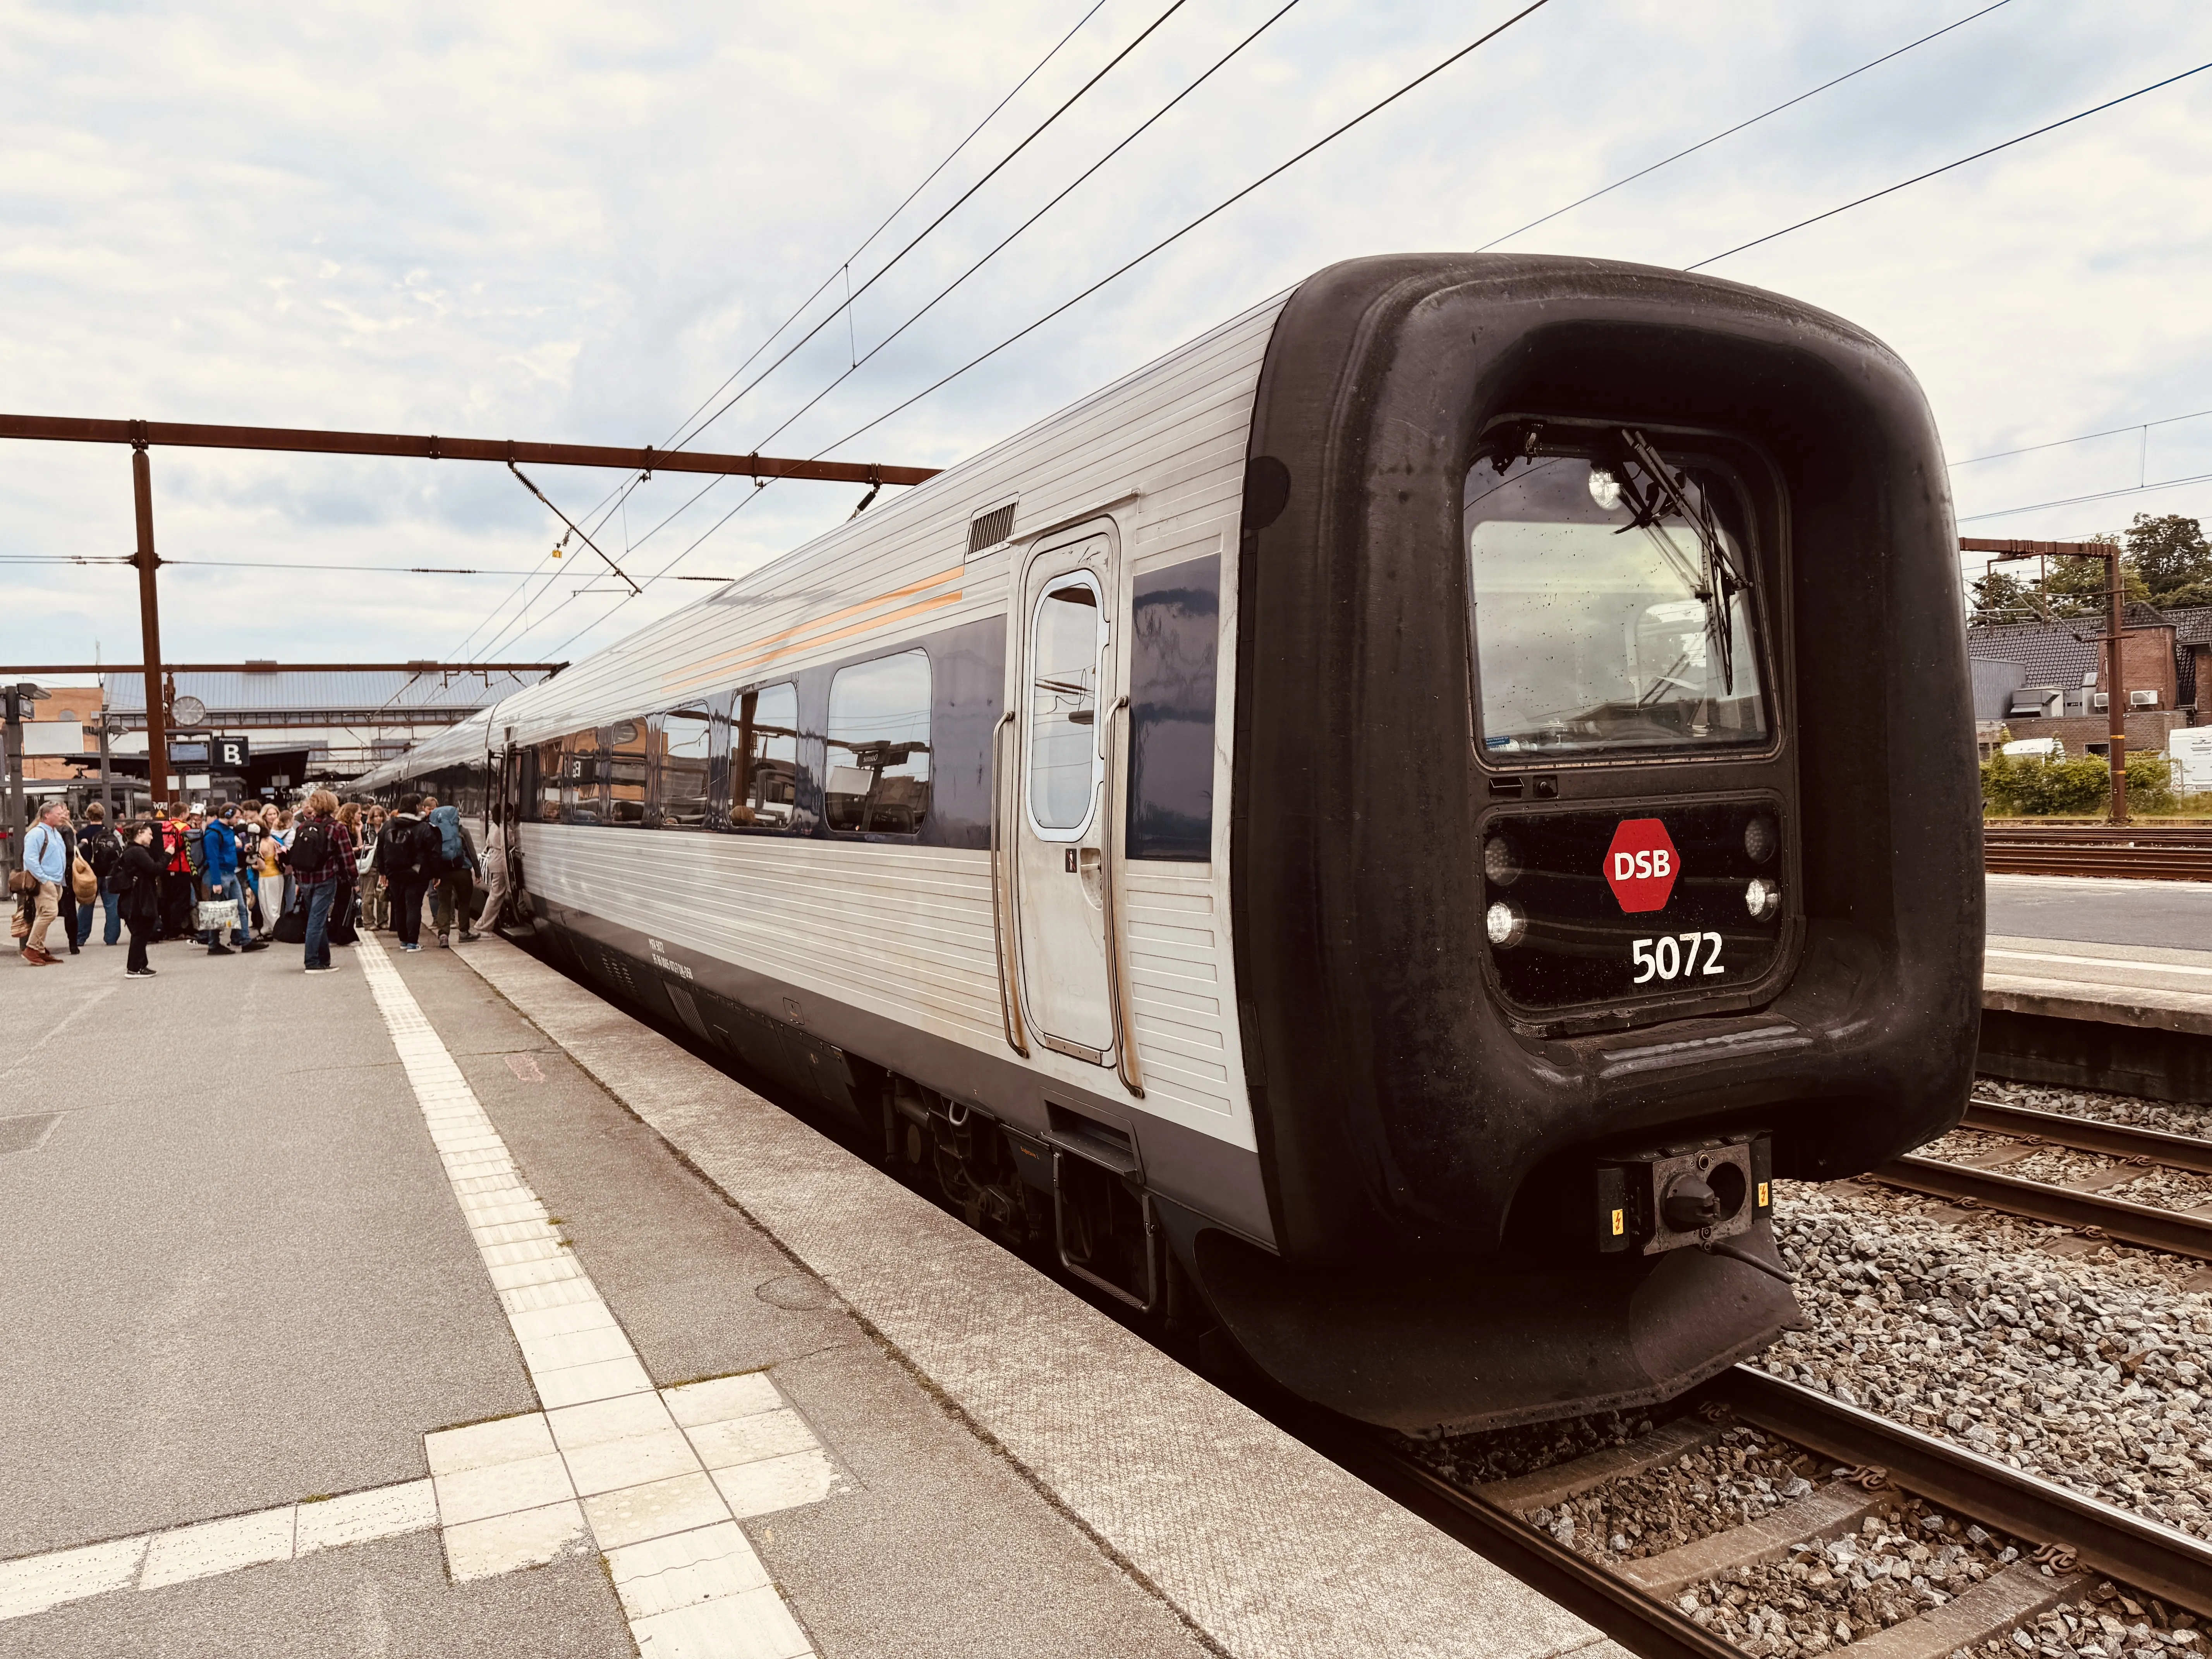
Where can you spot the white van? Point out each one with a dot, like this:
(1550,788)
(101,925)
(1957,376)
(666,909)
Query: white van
(2190,749)
(2050,749)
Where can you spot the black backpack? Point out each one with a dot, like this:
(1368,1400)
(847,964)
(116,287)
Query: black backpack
(311,847)
(101,850)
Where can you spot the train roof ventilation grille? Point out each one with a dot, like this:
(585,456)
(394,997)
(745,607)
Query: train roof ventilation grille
(991,528)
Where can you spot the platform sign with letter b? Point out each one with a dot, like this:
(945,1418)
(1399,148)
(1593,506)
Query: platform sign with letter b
(229,754)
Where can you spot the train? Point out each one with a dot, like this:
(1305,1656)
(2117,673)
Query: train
(1376,838)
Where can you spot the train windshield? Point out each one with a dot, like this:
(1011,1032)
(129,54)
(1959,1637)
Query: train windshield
(1612,606)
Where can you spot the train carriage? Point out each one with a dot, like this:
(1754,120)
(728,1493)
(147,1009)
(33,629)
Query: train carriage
(1382,832)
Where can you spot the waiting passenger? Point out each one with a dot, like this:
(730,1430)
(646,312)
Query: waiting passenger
(403,859)
(320,848)
(46,860)
(138,884)
(454,867)
(101,848)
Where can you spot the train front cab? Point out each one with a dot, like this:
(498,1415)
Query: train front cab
(1604,834)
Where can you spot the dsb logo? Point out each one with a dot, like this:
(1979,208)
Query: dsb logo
(1641,865)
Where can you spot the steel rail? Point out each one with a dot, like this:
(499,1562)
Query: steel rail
(2142,1225)
(2137,834)
(59,428)
(2089,1135)
(2108,861)
(1652,1628)
(2161,1559)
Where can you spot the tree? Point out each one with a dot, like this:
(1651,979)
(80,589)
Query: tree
(2000,597)
(2170,555)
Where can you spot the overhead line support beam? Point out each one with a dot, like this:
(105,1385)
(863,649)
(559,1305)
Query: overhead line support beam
(59,428)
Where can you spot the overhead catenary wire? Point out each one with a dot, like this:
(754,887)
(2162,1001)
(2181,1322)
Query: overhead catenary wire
(679,437)
(1136,132)
(1221,207)
(1729,132)
(1176,236)
(2099,495)
(886,269)
(2081,438)
(1918,177)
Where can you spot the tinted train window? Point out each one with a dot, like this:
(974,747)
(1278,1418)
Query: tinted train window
(878,737)
(1605,619)
(684,739)
(548,782)
(583,776)
(1067,639)
(764,757)
(628,745)
(1173,643)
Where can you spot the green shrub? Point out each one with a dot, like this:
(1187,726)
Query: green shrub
(2026,785)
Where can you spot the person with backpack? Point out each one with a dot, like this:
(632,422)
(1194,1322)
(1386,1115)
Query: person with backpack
(455,871)
(137,881)
(102,848)
(321,848)
(46,860)
(403,854)
(173,839)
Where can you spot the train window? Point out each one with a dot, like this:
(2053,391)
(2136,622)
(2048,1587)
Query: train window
(764,757)
(548,782)
(1613,605)
(682,742)
(626,751)
(1173,641)
(583,773)
(1068,637)
(878,735)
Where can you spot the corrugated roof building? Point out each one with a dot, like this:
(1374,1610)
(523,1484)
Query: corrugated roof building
(310,697)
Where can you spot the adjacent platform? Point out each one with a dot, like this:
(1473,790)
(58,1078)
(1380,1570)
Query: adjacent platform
(419,1308)
(2100,984)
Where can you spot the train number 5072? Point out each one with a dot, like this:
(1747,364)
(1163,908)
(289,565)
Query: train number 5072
(1675,956)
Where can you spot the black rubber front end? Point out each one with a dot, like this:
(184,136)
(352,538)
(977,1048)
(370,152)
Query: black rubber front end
(1450,1354)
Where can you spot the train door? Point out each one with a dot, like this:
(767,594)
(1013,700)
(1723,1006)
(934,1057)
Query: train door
(1060,815)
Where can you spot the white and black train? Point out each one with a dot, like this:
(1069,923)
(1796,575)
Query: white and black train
(1381,831)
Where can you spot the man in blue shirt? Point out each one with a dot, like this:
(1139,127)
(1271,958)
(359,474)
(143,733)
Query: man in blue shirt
(46,856)
(221,846)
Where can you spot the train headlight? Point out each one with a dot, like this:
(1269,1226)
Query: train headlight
(1505,925)
(1762,898)
(1759,840)
(1604,489)
(1499,862)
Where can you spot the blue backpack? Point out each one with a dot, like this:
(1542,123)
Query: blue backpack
(448,822)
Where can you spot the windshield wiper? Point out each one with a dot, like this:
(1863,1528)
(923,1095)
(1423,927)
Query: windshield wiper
(1668,493)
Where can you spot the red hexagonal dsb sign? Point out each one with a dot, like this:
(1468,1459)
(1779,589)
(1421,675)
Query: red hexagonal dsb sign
(1641,865)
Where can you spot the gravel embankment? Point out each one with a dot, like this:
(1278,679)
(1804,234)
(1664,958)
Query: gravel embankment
(2092,1371)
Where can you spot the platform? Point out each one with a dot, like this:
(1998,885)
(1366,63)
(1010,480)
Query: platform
(437,1306)
(2094,984)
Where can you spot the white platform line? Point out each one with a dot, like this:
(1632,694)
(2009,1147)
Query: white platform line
(34,1583)
(636,1468)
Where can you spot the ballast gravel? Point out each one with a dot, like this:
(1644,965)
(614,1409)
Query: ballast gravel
(2131,1109)
(2058,1166)
(2092,1371)
(1707,1489)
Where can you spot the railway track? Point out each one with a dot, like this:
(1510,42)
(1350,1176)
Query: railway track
(2142,852)
(2064,1543)
(1978,1182)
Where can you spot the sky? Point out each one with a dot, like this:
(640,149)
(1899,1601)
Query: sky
(566,224)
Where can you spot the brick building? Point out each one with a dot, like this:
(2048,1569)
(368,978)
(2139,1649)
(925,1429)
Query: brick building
(2060,691)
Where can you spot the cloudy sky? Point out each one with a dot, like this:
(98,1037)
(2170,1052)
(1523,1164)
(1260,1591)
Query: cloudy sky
(562,222)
